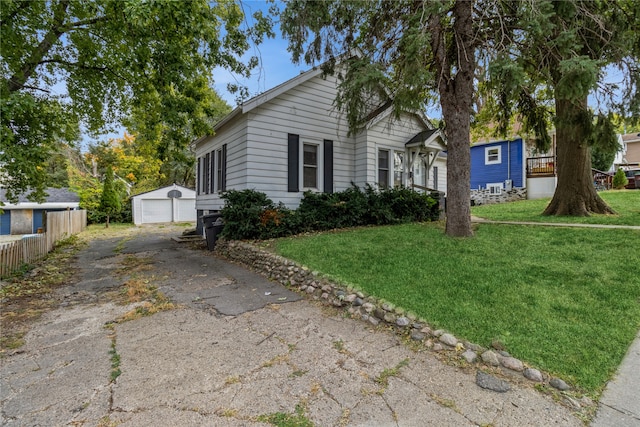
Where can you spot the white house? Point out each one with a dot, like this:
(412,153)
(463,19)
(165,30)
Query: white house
(291,139)
(173,203)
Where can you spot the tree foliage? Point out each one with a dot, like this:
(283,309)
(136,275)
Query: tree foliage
(402,55)
(557,57)
(110,203)
(92,63)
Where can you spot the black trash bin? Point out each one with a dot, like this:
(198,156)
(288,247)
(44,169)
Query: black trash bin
(213,225)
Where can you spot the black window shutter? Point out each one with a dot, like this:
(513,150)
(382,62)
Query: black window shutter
(212,174)
(198,177)
(293,160)
(224,167)
(328,166)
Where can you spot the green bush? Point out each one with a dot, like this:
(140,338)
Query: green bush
(249,214)
(619,180)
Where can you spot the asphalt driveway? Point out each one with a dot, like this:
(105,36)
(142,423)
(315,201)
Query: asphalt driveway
(240,351)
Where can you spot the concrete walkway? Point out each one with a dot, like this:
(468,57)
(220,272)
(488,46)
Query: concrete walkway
(240,352)
(619,405)
(479,220)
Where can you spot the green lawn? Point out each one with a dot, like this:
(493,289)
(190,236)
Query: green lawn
(565,300)
(625,202)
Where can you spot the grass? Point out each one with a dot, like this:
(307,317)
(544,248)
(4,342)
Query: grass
(565,300)
(625,202)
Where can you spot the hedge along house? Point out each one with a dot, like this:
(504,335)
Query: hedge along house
(498,171)
(173,203)
(291,139)
(26,217)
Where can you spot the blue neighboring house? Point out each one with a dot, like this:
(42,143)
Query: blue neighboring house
(498,165)
(26,217)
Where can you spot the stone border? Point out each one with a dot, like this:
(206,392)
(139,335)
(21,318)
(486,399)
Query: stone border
(376,312)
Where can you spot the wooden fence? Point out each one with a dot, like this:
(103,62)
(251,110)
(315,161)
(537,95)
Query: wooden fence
(33,247)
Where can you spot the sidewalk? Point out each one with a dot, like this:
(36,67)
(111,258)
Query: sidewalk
(479,220)
(620,402)
(619,405)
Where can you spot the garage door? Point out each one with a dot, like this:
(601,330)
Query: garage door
(186,210)
(156,210)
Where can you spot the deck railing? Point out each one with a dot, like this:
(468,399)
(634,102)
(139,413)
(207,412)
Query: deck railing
(541,166)
(33,247)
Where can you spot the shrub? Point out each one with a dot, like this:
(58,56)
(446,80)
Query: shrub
(249,214)
(619,180)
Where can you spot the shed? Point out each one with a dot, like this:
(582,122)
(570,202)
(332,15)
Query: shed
(173,203)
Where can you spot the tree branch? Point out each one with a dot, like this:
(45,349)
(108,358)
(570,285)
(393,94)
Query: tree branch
(18,80)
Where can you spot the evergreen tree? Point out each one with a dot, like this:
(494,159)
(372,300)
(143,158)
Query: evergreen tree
(110,203)
(558,53)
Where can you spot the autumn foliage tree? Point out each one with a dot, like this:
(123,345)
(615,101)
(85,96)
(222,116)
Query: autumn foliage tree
(90,64)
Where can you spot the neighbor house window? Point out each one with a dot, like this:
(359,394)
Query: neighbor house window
(310,166)
(383,168)
(398,169)
(495,188)
(492,155)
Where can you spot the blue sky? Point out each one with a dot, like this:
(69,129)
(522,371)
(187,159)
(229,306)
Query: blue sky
(276,67)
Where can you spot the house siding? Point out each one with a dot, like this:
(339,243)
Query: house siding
(511,166)
(258,143)
(302,111)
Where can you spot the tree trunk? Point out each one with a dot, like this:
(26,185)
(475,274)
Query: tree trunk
(455,86)
(106,224)
(575,193)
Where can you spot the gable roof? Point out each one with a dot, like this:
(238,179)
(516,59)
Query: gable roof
(168,188)
(57,198)
(258,100)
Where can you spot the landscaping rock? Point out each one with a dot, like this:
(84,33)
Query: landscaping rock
(438,332)
(417,335)
(402,321)
(358,302)
(512,363)
(470,356)
(448,339)
(368,307)
(559,384)
(438,347)
(492,383)
(490,358)
(533,375)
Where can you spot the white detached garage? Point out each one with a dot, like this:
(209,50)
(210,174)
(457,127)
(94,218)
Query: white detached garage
(173,203)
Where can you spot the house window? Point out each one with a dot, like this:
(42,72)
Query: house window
(310,166)
(383,168)
(492,155)
(398,169)
(495,188)
(435,177)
